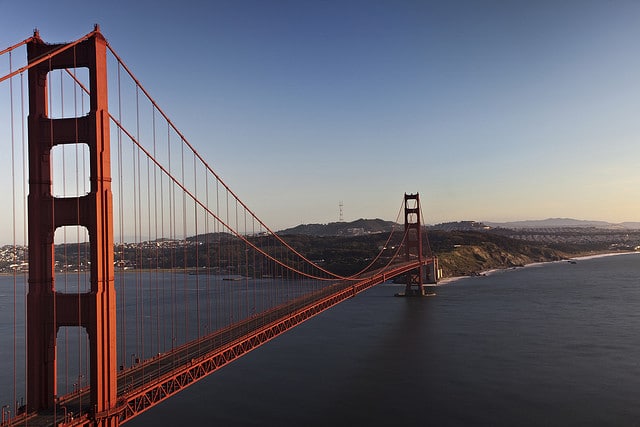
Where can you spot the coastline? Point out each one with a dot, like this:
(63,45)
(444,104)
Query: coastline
(602,255)
(445,280)
(484,273)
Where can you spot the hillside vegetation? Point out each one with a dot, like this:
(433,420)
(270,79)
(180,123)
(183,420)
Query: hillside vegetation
(463,248)
(459,252)
(466,252)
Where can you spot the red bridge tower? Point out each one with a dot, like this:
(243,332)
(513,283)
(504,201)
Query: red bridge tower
(413,243)
(48,310)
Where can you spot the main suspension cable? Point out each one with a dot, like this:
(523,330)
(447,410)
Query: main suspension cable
(226,224)
(202,160)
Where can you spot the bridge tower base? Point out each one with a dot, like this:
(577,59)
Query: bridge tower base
(48,309)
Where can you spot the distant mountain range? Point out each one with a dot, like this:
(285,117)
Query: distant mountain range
(359,227)
(565,223)
(460,226)
(362,227)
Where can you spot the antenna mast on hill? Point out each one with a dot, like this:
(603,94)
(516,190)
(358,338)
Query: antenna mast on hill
(341,216)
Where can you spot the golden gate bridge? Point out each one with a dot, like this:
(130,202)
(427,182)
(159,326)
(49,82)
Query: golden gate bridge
(134,270)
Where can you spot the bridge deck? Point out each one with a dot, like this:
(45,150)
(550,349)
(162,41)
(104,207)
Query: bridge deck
(152,381)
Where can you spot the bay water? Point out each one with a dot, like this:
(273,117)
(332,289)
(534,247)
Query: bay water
(553,344)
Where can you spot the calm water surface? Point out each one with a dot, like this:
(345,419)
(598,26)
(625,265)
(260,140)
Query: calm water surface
(556,344)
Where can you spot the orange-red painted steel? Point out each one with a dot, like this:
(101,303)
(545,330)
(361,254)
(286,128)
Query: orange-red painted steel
(153,381)
(48,310)
(119,396)
(193,365)
(413,244)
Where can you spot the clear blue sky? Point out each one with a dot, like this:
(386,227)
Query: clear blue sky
(492,110)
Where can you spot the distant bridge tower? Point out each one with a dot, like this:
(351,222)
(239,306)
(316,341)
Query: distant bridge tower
(413,245)
(48,310)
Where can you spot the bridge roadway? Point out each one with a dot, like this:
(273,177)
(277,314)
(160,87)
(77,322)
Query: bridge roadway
(154,380)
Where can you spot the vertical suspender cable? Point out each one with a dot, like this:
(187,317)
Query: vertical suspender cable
(78,228)
(81,177)
(151,272)
(135,160)
(52,214)
(255,265)
(184,249)
(49,111)
(218,284)
(13,220)
(163,254)
(24,209)
(197,250)
(172,237)
(229,263)
(64,269)
(246,270)
(165,261)
(162,250)
(121,245)
(207,243)
(154,283)
(238,261)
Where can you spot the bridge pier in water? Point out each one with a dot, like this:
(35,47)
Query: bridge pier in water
(47,309)
(415,279)
(49,400)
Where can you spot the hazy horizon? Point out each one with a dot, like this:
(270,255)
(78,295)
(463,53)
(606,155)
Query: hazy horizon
(133,239)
